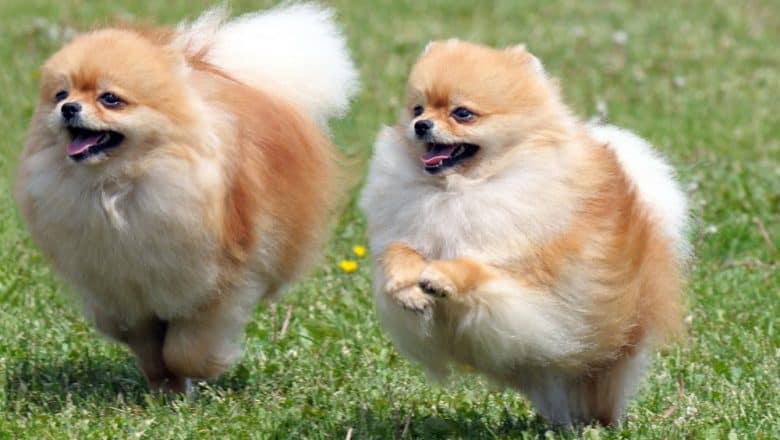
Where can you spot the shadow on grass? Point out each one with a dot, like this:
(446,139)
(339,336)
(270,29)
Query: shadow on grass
(405,424)
(467,424)
(55,384)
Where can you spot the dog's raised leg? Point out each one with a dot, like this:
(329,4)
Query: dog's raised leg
(402,267)
(454,279)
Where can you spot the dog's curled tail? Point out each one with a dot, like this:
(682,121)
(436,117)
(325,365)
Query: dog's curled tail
(295,51)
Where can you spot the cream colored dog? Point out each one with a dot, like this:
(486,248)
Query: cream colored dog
(176,177)
(512,238)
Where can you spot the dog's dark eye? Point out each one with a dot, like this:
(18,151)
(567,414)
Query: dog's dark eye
(417,110)
(463,114)
(62,94)
(110,100)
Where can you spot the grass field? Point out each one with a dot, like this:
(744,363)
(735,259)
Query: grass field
(698,78)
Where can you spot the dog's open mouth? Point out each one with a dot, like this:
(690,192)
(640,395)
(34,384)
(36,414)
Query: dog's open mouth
(441,156)
(86,143)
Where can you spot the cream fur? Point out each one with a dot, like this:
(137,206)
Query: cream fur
(293,50)
(128,253)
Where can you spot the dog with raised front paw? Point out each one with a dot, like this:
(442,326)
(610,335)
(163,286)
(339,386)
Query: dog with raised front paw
(509,236)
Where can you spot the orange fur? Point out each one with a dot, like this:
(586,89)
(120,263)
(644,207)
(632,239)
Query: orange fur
(403,266)
(457,277)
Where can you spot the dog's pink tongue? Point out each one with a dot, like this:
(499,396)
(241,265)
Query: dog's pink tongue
(82,142)
(436,156)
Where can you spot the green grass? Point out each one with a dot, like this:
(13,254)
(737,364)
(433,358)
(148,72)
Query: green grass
(698,78)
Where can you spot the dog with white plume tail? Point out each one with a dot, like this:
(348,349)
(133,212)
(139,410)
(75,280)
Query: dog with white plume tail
(175,177)
(512,238)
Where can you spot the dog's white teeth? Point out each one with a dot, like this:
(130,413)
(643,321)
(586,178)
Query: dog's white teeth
(103,138)
(458,150)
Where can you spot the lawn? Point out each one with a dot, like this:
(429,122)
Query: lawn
(699,79)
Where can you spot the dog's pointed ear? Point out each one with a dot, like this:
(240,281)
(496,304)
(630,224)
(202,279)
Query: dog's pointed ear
(522,50)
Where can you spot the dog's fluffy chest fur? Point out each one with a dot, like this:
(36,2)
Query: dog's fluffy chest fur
(492,220)
(136,247)
(445,224)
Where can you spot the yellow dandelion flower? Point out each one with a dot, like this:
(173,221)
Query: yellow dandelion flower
(359,250)
(348,266)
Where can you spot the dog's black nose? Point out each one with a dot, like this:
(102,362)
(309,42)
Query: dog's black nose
(422,127)
(70,109)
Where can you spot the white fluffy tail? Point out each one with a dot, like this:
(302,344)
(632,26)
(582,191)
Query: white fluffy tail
(295,51)
(653,178)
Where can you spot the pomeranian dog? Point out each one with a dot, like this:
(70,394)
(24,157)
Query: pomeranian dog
(176,177)
(513,239)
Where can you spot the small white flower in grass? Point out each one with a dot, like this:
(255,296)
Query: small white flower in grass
(620,38)
(601,107)
(711,230)
(601,113)
(53,32)
(578,31)
(679,81)
(68,33)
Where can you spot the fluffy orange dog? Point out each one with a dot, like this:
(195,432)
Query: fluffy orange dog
(512,238)
(175,178)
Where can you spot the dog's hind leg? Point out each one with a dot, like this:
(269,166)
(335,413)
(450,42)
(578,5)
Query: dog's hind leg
(145,338)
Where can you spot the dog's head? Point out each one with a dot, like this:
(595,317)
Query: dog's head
(110,93)
(469,105)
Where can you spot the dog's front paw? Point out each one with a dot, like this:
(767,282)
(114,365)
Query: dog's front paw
(435,283)
(397,283)
(412,298)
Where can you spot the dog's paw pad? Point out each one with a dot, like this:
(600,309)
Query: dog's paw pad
(435,284)
(433,289)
